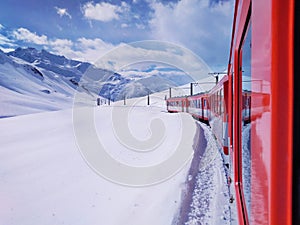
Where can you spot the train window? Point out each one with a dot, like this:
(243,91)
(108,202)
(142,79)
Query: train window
(245,126)
(213,103)
(222,101)
(214,100)
(217,102)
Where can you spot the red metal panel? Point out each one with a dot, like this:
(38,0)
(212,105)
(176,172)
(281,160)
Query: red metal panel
(272,104)
(282,110)
(260,132)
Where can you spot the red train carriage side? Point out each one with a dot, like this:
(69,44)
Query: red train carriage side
(218,112)
(177,104)
(198,107)
(261,117)
(258,106)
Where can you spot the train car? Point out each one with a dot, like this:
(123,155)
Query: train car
(198,107)
(177,104)
(264,111)
(218,112)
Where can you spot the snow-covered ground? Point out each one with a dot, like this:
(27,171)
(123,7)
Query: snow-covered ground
(44,178)
(210,201)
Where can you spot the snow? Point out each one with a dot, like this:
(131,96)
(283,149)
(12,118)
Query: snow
(210,197)
(45,180)
(211,191)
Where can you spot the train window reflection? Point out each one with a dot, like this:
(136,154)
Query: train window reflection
(246,119)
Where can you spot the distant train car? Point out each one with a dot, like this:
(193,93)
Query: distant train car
(198,107)
(218,112)
(177,104)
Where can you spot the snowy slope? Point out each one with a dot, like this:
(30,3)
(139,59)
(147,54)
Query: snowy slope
(45,180)
(26,89)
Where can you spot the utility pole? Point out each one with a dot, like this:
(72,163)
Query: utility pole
(170,93)
(216,75)
(124,99)
(148,99)
(192,88)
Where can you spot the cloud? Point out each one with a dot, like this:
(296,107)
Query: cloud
(6,44)
(92,49)
(83,49)
(61,46)
(5,41)
(157,52)
(1,26)
(139,73)
(102,11)
(124,25)
(28,36)
(196,24)
(62,12)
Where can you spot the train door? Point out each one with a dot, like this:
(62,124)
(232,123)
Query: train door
(224,94)
(205,109)
(242,134)
(201,110)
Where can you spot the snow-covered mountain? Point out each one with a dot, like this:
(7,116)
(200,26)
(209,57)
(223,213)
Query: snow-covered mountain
(38,80)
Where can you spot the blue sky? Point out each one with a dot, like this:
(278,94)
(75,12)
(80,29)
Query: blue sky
(85,30)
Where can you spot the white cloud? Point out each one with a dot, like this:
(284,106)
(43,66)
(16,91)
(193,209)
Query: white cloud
(124,25)
(82,49)
(135,72)
(62,46)
(62,12)
(196,24)
(140,26)
(1,26)
(101,11)
(92,49)
(61,42)
(5,41)
(157,52)
(28,36)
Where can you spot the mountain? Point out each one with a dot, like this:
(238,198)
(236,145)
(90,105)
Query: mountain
(57,64)
(34,81)
(25,88)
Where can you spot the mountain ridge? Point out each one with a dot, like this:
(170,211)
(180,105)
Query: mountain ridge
(46,78)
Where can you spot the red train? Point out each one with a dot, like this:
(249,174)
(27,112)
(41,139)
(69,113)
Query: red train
(254,111)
